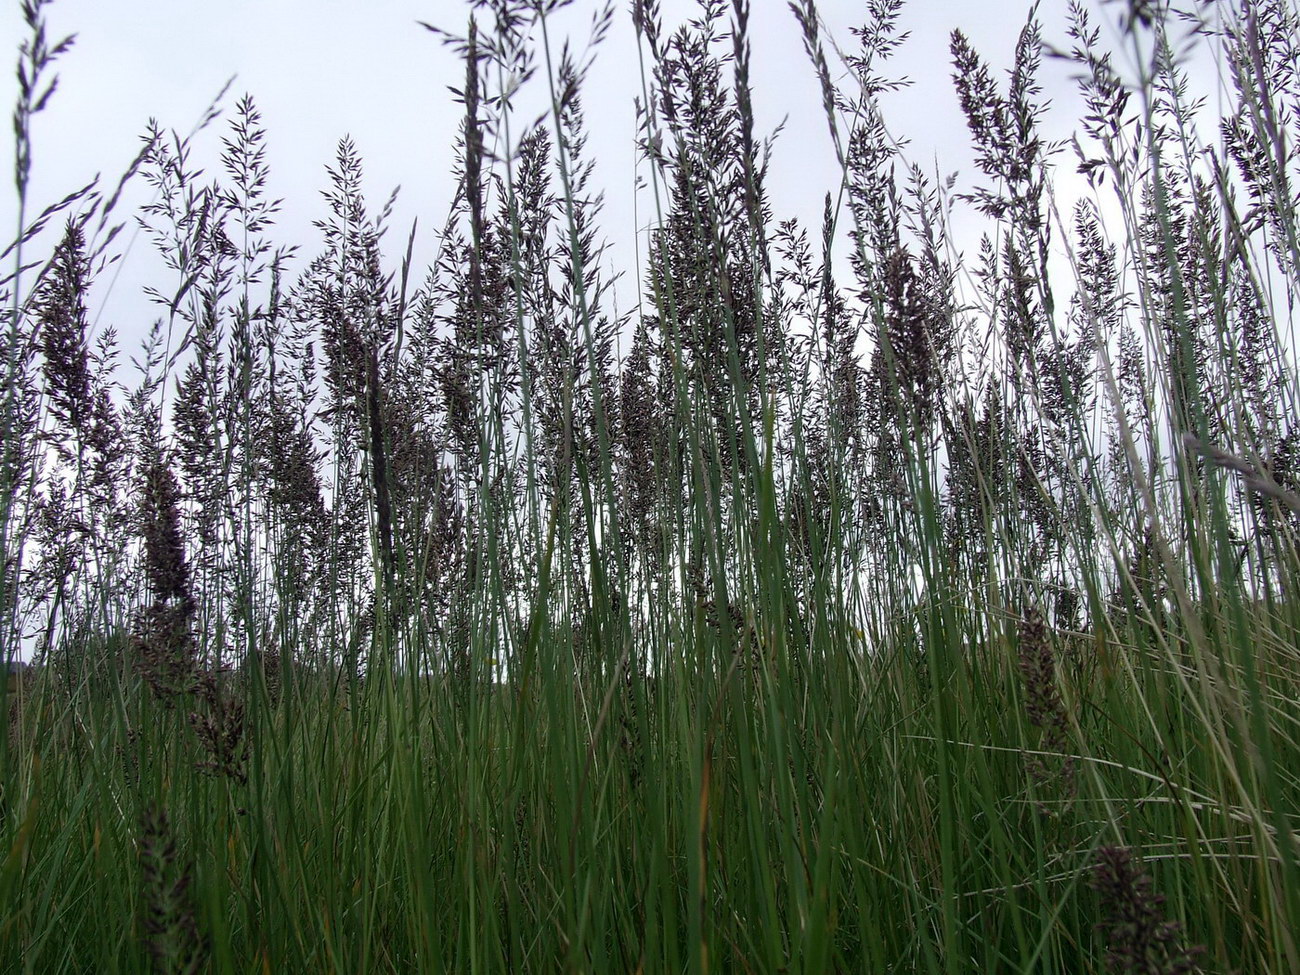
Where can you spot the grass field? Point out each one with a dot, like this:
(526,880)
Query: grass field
(860,600)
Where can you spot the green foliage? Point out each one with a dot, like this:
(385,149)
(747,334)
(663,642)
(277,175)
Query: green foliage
(855,605)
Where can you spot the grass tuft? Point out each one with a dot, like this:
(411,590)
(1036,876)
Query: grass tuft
(910,591)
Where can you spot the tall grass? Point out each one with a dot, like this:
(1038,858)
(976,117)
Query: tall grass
(856,602)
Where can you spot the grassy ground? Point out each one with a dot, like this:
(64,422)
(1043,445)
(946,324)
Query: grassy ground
(940,619)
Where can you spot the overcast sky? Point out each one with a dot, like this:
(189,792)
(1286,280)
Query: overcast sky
(320,69)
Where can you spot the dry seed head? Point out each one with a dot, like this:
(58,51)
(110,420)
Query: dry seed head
(170,928)
(1038,671)
(1043,703)
(1139,939)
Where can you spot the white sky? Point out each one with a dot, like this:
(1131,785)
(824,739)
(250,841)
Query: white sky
(320,69)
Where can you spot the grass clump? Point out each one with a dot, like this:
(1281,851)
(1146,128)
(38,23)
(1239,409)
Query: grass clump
(862,599)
